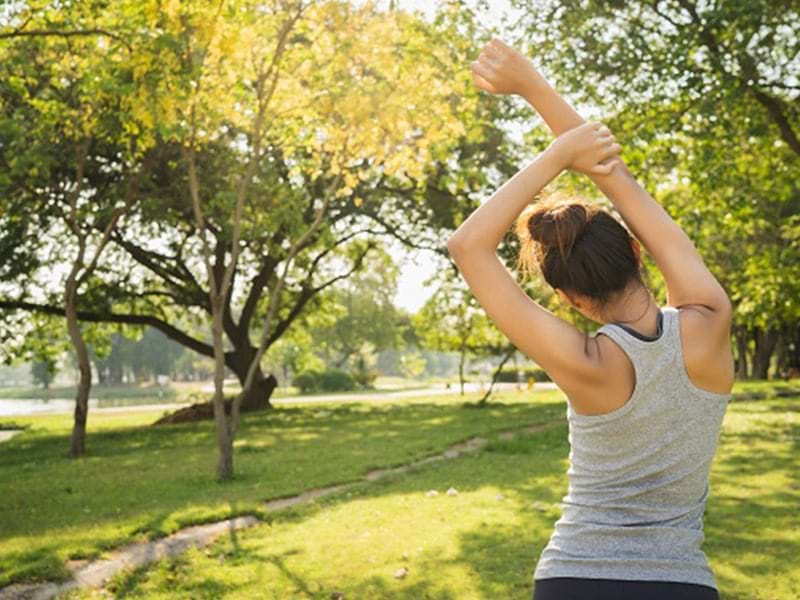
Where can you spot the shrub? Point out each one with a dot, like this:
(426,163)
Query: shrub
(307,381)
(365,377)
(336,380)
(329,380)
(512,375)
(363,370)
(538,374)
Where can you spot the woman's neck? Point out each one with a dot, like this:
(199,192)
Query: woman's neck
(638,310)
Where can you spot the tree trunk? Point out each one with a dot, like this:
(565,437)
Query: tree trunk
(461,367)
(788,365)
(78,441)
(496,374)
(257,399)
(115,373)
(766,340)
(782,353)
(794,351)
(742,338)
(344,355)
(262,388)
(224,438)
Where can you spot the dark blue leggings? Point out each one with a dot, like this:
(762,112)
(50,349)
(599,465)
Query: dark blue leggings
(573,588)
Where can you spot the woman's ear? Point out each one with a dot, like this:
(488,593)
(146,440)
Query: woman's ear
(567,299)
(637,249)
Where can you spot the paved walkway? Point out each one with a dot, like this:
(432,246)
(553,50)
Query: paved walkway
(7,434)
(431,391)
(377,396)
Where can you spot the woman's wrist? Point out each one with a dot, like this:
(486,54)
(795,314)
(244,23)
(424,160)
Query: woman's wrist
(555,154)
(551,162)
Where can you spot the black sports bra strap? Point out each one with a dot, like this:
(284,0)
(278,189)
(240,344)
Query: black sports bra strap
(641,336)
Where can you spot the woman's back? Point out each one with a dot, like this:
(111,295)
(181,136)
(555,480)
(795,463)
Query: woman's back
(638,475)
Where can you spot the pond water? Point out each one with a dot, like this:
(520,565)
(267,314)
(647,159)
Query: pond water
(10,407)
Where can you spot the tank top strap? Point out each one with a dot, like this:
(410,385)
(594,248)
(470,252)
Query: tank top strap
(648,354)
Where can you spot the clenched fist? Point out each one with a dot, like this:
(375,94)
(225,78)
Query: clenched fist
(590,148)
(500,69)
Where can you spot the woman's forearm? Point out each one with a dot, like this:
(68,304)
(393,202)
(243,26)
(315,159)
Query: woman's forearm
(556,112)
(560,117)
(687,278)
(485,228)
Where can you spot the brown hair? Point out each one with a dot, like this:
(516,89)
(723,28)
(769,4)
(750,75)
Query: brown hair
(577,247)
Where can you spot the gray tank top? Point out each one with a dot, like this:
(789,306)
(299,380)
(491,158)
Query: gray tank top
(638,476)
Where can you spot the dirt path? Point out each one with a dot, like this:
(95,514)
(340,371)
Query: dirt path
(7,434)
(95,573)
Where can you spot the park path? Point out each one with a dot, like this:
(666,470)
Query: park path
(94,574)
(11,408)
(386,395)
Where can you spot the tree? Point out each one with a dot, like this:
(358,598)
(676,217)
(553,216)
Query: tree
(349,150)
(68,92)
(43,372)
(705,99)
(452,320)
(357,311)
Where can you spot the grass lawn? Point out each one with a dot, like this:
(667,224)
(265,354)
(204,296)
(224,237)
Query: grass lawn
(145,482)
(141,482)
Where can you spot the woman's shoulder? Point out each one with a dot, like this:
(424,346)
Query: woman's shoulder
(705,338)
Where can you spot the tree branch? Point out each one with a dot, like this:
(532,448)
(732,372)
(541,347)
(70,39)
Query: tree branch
(64,34)
(309,292)
(773,106)
(92,317)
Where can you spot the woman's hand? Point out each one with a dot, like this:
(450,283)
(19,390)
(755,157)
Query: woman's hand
(500,69)
(589,148)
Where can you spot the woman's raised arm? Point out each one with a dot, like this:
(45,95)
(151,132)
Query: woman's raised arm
(557,346)
(502,69)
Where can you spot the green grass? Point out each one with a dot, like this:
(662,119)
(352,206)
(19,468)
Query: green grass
(142,482)
(766,387)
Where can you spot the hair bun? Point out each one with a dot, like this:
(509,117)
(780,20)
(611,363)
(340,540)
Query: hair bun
(558,225)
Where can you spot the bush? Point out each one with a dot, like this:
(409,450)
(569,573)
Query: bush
(513,375)
(329,380)
(363,371)
(336,380)
(307,381)
(365,377)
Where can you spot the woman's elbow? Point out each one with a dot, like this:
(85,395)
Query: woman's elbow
(456,245)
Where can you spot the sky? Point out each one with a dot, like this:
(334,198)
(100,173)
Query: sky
(411,292)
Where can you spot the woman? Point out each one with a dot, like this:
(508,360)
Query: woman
(646,393)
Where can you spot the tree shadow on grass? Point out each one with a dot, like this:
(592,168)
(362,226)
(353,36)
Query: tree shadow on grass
(353,430)
(739,533)
(502,556)
(741,528)
(175,570)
